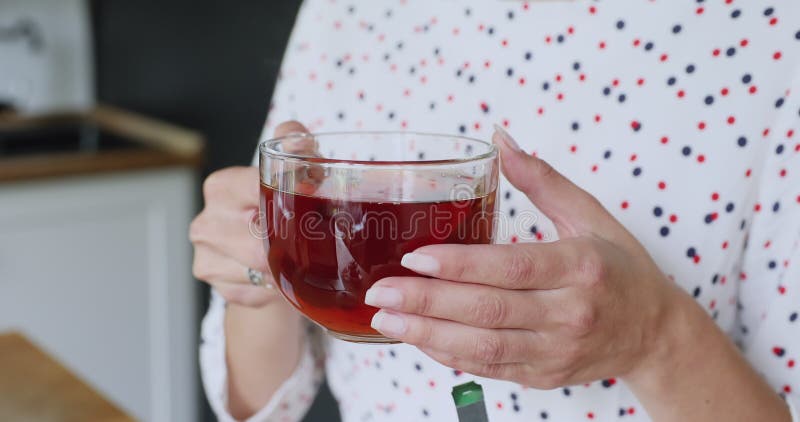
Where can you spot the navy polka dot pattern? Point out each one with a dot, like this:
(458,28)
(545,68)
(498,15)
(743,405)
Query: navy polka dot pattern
(680,117)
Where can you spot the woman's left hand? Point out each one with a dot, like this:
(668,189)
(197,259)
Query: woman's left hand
(589,306)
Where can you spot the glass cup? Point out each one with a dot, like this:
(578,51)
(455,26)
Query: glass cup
(339,211)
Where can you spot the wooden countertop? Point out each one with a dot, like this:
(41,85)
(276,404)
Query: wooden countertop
(163,144)
(35,387)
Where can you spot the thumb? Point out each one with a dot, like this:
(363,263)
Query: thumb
(573,210)
(296,137)
(297,140)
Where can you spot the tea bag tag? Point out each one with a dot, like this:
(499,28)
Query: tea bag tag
(468,398)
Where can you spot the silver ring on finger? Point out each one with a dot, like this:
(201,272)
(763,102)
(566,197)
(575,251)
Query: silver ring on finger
(257,278)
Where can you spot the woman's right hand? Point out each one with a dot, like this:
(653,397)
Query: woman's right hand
(226,241)
(224,247)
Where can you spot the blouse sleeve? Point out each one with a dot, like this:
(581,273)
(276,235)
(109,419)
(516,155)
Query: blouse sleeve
(769,281)
(292,399)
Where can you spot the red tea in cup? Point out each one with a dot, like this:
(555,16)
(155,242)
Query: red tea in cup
(325,253)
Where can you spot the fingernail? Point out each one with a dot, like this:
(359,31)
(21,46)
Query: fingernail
(507,138)
(390,324)
(420,263)
(383,297)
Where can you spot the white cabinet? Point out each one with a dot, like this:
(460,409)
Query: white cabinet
(97,271)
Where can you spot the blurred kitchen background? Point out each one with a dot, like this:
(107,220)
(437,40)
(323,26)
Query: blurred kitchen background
(111,114)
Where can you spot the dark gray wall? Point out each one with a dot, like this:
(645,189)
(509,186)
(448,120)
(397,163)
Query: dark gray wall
(207,65)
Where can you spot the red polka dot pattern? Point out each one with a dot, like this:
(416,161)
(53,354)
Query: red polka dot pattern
(678,116)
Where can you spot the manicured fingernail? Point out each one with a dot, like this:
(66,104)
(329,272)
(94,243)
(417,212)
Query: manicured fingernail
(390,324)
(383,297)
(506,138)
(420,263)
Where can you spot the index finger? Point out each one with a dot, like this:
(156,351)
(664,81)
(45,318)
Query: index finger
(529,266)
(232,187)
